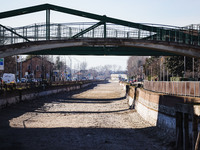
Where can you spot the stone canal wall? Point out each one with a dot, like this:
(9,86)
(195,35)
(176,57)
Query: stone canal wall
(23,95)
(158,109)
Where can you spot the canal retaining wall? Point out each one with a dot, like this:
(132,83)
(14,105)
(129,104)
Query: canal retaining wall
(23,95)
(158,109)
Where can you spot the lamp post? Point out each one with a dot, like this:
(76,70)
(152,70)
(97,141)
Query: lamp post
(78,67)
(70,68)
(184,65)
(193,66)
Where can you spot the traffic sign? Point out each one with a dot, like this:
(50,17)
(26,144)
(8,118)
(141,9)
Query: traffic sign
(1,63)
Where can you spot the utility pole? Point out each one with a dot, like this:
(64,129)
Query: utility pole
(42,69)
(16,67)
(51,70)
(20,68)
(193,66)
(70,68)
(167,75)
(163,70)
(78,67)
(184,65)
(65,68)
(31,68)
(160,70)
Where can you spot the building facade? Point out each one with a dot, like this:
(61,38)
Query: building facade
(117,77)
(37,67)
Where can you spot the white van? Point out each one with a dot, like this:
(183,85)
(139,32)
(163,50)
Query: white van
(8,78)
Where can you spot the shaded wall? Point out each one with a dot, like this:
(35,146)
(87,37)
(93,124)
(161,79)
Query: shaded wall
(21,95)
(158,109)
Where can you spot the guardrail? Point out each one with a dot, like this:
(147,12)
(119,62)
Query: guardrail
(181,88)
(37,32)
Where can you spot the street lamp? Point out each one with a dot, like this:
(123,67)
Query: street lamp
(78,67)
(70,67)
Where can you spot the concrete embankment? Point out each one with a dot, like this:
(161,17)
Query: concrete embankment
(158,109)
(16,96)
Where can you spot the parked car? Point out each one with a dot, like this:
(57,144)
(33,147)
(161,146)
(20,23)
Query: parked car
(23,80)
(84,78)
(34,80)
(18,81)
(9,78)
(31,80)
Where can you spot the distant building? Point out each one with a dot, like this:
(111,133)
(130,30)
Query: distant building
(37,67)
(117,77)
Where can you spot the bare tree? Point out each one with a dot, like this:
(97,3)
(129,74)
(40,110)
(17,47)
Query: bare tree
(134,65)
(83,65)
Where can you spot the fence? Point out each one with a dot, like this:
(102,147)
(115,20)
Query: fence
(182,88)
(38,32)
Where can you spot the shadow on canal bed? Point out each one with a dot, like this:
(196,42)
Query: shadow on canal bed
(80,138)
(70,138)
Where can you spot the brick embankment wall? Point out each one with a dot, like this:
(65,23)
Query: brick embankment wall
(22,95)
(158,109)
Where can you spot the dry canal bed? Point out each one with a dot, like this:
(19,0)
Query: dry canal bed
(97,118)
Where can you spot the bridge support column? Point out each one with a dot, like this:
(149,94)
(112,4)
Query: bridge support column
(48,24)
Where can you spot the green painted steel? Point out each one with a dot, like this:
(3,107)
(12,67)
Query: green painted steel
(105,28)
(13,32)
(77,13)
(72,12)
(87,30)
(118,51)
(100,30)
(48,24)
(186,35)
(105,31)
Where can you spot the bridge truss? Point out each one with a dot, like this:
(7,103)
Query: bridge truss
(105,28)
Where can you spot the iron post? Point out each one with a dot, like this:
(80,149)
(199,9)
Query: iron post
(48,24)
(105,30)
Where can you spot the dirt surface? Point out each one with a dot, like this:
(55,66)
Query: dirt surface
(97,118)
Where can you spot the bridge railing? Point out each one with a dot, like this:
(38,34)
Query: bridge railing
(179,88)
(188,35)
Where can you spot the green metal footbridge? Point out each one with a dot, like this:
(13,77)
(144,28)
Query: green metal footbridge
(105,36)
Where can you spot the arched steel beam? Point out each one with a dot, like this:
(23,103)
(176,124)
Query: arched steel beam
(99,46)
(48,7)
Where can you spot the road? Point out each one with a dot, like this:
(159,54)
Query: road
(96,118)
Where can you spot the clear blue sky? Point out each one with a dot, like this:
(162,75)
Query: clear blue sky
(170,12)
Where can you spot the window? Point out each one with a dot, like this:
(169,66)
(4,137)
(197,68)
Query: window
(29,67)
(37,68)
